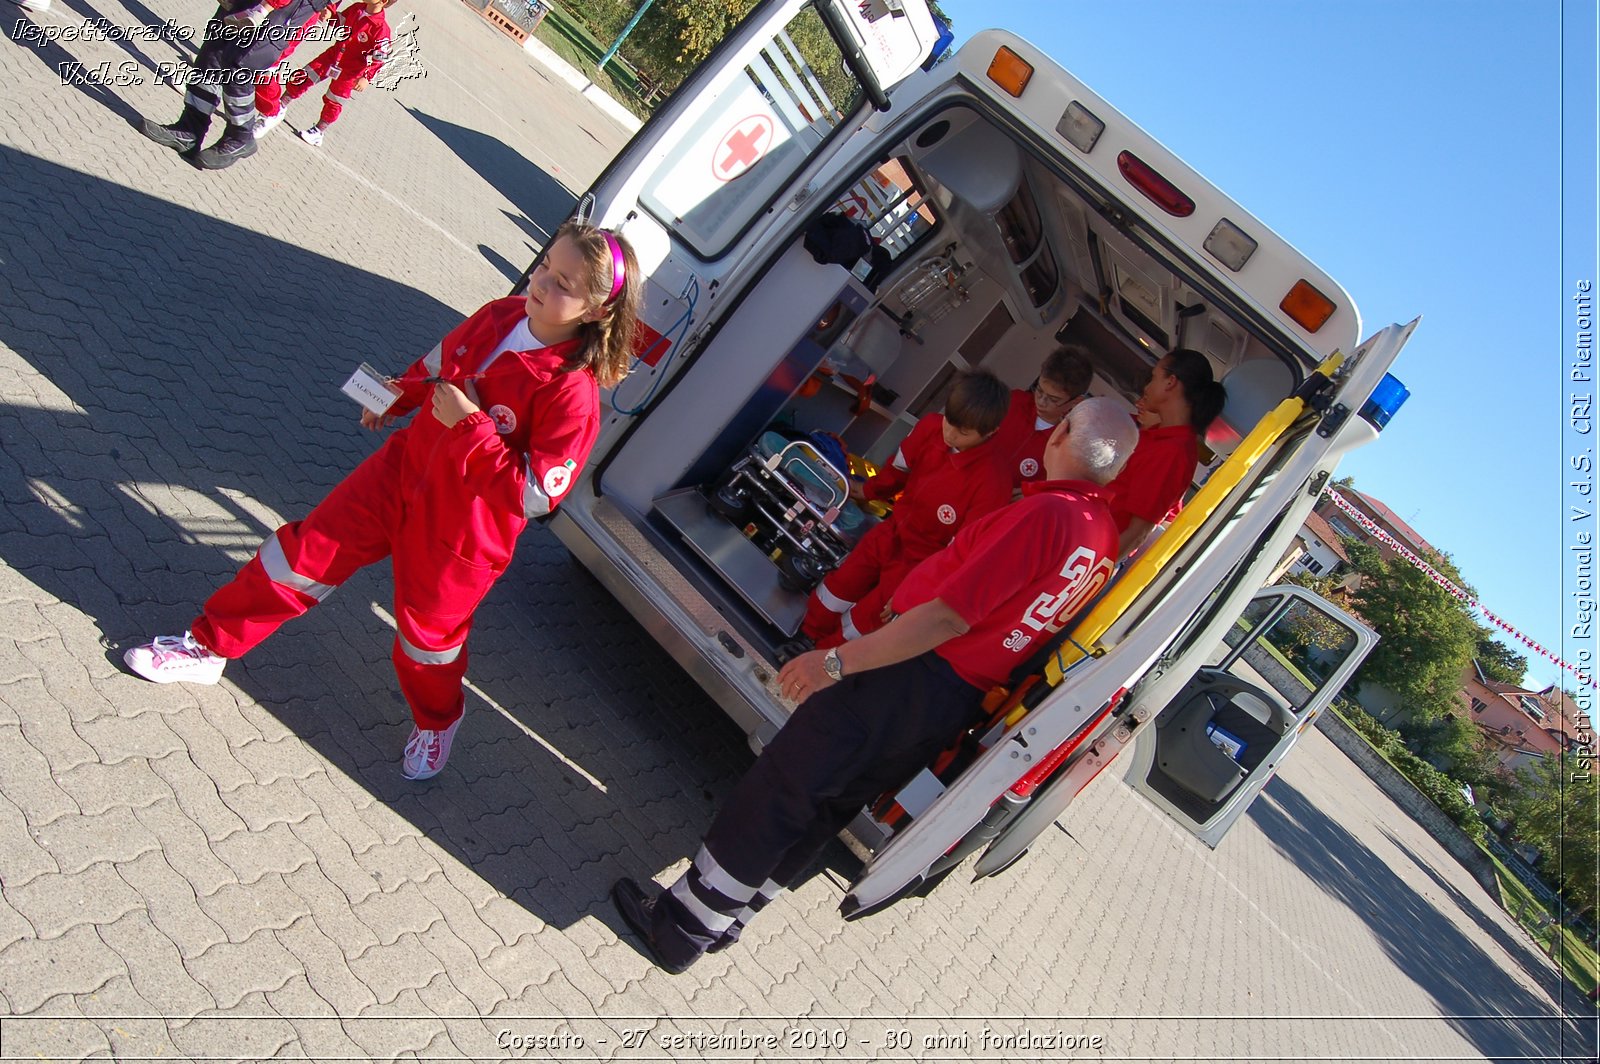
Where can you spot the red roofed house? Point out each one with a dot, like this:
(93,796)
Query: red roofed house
(1522,727)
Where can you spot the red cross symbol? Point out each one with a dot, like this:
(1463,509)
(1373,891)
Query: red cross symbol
(742,147)
(502,420)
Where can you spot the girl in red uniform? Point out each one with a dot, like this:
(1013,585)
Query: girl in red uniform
(352,63)
(1179,402)
(512,410)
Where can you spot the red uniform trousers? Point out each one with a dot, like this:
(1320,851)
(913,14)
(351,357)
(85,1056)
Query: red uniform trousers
(363,520)
(338,93)
(850,600)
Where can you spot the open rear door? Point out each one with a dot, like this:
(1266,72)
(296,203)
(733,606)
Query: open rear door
(730,152)
(1212,749)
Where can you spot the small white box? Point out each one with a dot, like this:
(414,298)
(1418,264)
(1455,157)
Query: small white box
(371,389)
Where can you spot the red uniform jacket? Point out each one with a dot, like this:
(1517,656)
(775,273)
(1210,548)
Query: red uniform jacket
(1159,471)
(478,481)
(1023,438)
(362,53)
(940,490)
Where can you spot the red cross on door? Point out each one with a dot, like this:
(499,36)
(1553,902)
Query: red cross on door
(741,147)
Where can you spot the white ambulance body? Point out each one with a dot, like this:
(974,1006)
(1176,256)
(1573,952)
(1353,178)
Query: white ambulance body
(1018,210)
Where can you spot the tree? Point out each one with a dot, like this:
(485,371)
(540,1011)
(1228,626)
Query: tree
(1498,661)
(1557,812)
(1427,636)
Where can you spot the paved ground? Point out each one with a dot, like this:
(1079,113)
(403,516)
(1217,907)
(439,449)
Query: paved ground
(239,872)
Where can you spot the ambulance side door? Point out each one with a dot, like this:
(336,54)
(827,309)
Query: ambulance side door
(1209,752)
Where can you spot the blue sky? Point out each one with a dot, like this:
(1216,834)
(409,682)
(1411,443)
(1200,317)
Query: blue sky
(1412,149)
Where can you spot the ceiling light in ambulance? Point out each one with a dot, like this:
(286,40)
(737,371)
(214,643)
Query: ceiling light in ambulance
(1229,245)
(1010,71)
(1081,128)
(1306,306)
(1156,189)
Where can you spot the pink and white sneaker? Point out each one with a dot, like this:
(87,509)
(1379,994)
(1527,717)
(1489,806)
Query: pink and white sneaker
(427,752)
(175,659)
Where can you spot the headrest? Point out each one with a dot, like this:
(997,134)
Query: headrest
(1254,388)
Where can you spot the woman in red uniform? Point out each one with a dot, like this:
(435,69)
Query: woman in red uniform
(513,397)
(1181,399)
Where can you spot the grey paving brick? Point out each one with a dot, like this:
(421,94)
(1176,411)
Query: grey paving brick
(253,854)
(56,1029)
(317,1026)
(129,1023)
(99,787)
(326,967)
(29,783)
(76,842)
(232,970)
(57,902)
(115,738)
(24,857)
(155,966)
(402,965)
(332,907)
(196,795)
(261,805)
(77,962)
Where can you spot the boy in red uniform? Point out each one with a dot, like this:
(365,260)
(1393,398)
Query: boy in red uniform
(513,409)
(352,63)
(875,710)
(1064,379)
(946,473)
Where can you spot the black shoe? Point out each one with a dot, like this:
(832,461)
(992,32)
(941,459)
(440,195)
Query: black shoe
(236,143)
(177,136)
(638,912)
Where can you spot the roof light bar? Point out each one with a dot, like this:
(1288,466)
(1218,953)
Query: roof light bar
(1010,71)
(1081,128)
(1307,307)
(1157,189)
(1230,245)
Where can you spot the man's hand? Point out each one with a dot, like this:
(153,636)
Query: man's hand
(804,676)
(451,404)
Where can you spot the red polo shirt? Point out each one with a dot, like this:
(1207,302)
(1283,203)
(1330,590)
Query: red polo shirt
(1016,576)
(1158,472)
(940,489)
(1023,435)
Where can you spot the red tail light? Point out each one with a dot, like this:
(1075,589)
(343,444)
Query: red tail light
(1156,189)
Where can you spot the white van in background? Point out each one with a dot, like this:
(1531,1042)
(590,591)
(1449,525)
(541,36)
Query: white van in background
(1014,209)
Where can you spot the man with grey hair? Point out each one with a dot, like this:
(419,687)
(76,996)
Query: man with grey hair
(875,710)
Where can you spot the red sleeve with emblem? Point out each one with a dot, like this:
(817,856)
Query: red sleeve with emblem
(563,420)
(1158,472)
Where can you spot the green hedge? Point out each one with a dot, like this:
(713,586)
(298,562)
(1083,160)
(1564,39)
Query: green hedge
(1442,790)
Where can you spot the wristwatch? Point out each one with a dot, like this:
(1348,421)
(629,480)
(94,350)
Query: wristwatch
(832,665)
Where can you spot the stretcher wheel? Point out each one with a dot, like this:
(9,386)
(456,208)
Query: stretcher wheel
(730,501)
(798,572)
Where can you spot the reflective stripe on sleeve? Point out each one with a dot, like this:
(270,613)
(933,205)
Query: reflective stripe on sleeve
(831,601)
(433,361)
(535,503)
(276,564)
(900,460)
(428,657)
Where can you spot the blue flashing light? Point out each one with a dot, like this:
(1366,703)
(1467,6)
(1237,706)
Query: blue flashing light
(941,44)
(1390,395)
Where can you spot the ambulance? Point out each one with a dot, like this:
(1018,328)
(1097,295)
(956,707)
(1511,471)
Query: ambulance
(1006,208)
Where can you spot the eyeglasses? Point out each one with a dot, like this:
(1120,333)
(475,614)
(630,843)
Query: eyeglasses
(1046,399)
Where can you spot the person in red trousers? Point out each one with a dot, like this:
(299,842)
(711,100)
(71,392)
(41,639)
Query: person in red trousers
(512,399)
(352,63)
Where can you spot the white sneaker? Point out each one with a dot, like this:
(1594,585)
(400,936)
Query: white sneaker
(265,124)
(427,751)
(312,136)
(36,6)
(175,659)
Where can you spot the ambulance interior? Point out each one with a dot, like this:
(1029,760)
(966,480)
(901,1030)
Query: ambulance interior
(994,256)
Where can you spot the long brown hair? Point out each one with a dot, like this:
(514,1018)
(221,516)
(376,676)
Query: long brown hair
(607,344)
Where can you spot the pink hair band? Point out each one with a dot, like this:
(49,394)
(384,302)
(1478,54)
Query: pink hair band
(618,265)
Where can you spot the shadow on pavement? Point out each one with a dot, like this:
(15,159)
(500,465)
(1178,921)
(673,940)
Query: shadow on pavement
(62,64)
(171,426)
(1495,1013)
(543,200)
